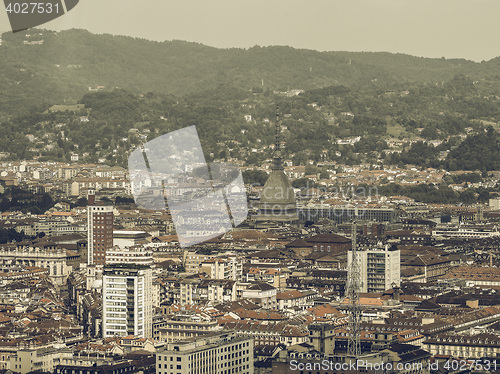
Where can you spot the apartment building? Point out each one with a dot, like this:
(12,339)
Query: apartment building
(214,353)
(127,300)
(379,268)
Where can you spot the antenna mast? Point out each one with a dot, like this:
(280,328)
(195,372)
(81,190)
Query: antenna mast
(353,286)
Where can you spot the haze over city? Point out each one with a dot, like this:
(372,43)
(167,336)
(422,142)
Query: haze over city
(449,28)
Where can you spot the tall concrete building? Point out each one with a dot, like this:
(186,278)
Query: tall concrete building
(99,231)
(127,300)
(213,353)
(379,268)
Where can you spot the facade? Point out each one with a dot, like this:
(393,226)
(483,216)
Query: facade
(131,255)
(193,260)
(322,337)
(340,214)
(399,358)
(127,302)
(41,255)
(292,299)
(183,327)
(329,242)
(127,238)
(269,332)
(431,265)
(51,226)
(215,353)
(193,291)
(262,294)
(222,268)
(379,268)
(100,233)
(464,346)
(464,233)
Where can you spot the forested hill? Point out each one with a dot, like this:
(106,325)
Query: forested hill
(42,67)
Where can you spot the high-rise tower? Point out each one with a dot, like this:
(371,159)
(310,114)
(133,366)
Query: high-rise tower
(127,300)
(99,231)
(277,199)
(379,268)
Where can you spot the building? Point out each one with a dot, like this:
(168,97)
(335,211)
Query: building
(127,300)
(329,242)
(464,232)
(193,260)
(129,255)
(262,294)
(270,333)
(40,255)
(432,266)
(339,214)
(183,326)
(193,291)
(495,203)
(464,346)
(100,232)
(293,299)
(222,268)
(379,268)
(127,238)
(322,337)
(277,200)
(214,353)
(398,358)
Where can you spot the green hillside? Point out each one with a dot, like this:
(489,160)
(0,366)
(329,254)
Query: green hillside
(63,68)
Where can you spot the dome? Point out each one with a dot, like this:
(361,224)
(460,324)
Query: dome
(277,199)
(277,190)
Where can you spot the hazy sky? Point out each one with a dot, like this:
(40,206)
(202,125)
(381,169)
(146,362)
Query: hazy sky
(432,28)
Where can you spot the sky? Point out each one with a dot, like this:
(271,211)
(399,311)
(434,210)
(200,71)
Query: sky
(467,29)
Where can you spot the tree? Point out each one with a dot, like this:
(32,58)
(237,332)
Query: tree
(303,183)
(255,177)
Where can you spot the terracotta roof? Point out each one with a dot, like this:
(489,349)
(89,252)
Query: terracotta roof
(261,287)
(426,260)
(299,243)
(288,295)
(323,310)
